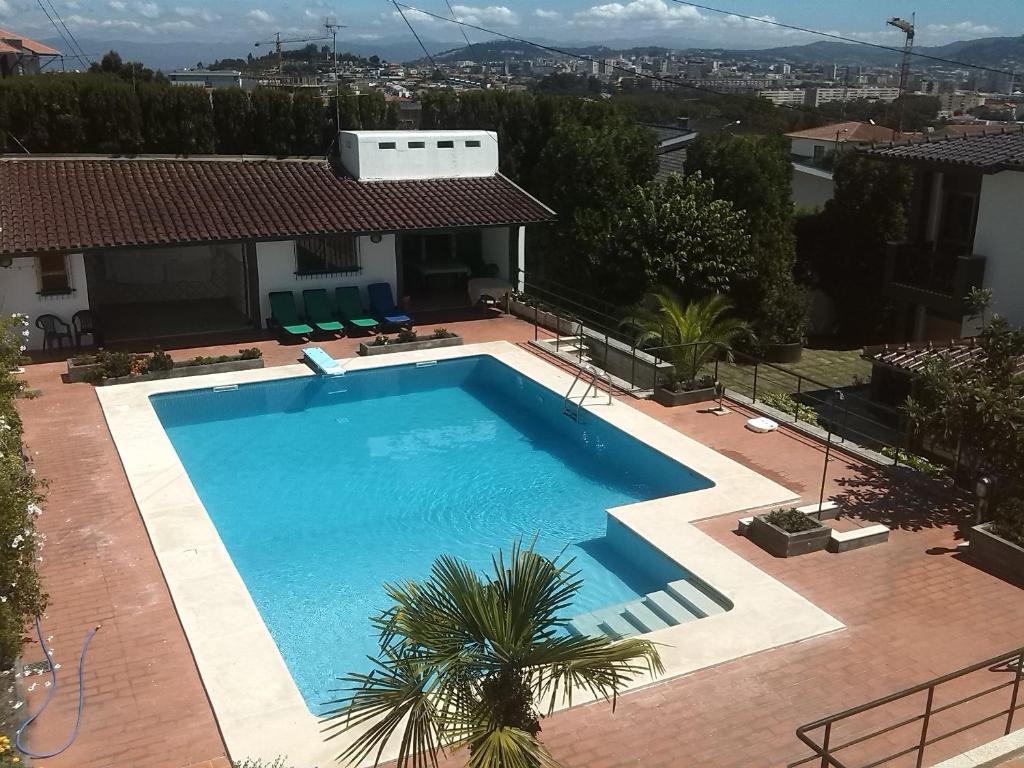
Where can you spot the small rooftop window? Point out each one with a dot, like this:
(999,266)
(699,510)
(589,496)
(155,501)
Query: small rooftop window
(386,145)
(446,145)
(473,143)
(417,144)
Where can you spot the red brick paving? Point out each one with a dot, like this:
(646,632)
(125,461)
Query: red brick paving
(912,607)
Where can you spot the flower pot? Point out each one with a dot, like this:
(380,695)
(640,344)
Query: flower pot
(994,552)
(781,543)
(784,353)
(671,398)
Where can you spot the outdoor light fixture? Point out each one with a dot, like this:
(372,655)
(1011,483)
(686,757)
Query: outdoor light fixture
(983,490)
(6,262)
(375,237)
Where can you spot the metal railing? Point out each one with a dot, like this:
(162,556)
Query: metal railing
(826,750)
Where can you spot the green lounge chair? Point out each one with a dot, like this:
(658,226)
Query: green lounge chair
(318,310)
(350,309)
(282,310)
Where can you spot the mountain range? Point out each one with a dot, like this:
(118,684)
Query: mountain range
(994,52)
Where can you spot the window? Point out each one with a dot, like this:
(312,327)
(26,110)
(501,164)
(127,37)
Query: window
(326,255)
(386,145)
(53,274)
(472,143)
(819,151)
(417,144)
(446,145)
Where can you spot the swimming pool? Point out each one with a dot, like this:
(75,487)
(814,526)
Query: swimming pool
(322,489)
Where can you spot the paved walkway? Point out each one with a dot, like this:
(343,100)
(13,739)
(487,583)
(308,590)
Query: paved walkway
(912,607)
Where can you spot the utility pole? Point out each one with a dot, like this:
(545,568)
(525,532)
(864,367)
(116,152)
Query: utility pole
(332,27)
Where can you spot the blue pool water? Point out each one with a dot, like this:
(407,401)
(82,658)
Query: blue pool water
(322,489)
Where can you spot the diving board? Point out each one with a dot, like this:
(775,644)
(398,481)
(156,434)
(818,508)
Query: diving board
(321,362)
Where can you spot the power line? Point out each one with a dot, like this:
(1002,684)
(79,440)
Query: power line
(832,36)
(65,35)
(70,33)
(643,75)
(399,7)
(472,49)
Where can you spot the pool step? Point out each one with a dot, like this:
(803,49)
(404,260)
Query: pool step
(680,602)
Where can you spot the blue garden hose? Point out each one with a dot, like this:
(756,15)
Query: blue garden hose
(49,695)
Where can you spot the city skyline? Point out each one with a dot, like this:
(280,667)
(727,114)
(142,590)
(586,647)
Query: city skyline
(656,22)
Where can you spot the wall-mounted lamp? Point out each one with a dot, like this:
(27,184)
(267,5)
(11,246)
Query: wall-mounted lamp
(6,262)
(375,238)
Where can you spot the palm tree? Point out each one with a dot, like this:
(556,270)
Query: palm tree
(691,335)
(471,661)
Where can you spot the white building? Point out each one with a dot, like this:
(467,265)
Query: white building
(818,96)
(161,247)
(965,230)
(207,78)
(793,97)
(813,144)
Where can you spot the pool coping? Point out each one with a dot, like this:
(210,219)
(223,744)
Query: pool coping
(258,707)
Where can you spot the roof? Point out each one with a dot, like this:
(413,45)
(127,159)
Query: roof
(669,163)
(989,153)
(913,357)
(852,131)
(73,203)
(811,170)
(20,44)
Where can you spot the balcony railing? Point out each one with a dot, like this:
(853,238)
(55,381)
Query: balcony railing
(938,277)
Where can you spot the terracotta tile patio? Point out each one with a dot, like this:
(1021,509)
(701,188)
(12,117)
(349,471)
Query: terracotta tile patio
(913,608)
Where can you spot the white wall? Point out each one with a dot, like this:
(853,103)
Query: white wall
(275,262)
(805,147)
(363,157)
(999,237)
(811,189)
(19,287)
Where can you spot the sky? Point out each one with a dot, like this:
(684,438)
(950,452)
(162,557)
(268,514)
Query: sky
(661,22)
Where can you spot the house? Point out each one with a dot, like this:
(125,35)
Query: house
(814,144)
(212,79)
(170,246)
(672,142)
(20,55)
(964,230)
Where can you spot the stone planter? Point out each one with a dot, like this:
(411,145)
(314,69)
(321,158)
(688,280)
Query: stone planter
(77,373)
(780,543)
(561,325)
(670,398)
(784,353)
(994,552)
(410,346)
(184,369)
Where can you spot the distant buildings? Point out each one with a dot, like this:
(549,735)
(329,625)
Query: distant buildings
(213,79)
(815,97)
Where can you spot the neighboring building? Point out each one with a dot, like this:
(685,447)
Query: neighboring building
(781,97)
(959,101)
(814,144)
(811,187)
(965,230)
(175,246)
(818,96)
(20,55)
(215,78)
(672,144)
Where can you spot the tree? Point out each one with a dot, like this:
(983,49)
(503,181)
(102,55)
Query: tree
(978,407)
(468,661)
(693,334)
(677,234)
(233,121)
(111,117)
(755,173)
(274,128)
(843,247)
(191,122)
(308,118)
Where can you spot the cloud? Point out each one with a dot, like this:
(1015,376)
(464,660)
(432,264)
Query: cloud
(498,15)
(259,16)
(541,13)
(73,4)
(179,25)
(968,28)
(117,5)
(89,22)
(642,12)
(188,12)
(148,10)
(5,7)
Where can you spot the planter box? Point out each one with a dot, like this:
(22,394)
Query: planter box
(784,353)
(995,552)
(778,542)
(82,372)
(410,346)
(182,370)
(671,398)
(560,325)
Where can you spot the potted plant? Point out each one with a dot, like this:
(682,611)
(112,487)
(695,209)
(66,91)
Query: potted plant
(788,532)
(407,340)
(688,336)
(999,544)
(782,324)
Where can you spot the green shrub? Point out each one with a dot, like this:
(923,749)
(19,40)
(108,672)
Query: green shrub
(1008,521)
(405,336)
(20,595)
(250,353)
(251,762)
(689,385)
(787,404)
(159,361)
(442,333)
(114,365)
(380,341)
(912,460)
(791,520)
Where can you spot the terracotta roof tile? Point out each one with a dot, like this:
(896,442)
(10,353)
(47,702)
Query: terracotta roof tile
(988,152)
(80,203)
(21,43)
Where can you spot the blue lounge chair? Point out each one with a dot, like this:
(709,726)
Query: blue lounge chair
(382,304)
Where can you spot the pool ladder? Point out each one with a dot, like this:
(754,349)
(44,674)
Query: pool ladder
(571,407)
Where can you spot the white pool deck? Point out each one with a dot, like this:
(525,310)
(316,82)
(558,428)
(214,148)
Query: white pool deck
(258,707)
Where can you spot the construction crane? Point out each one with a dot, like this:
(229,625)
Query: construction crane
(907,28)
(277,42)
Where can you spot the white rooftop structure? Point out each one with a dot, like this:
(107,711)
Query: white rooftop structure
(391,155)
